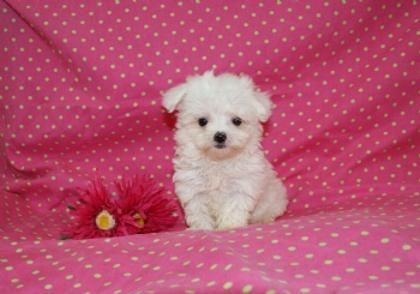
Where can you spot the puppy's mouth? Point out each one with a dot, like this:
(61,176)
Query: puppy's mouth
(221,151)
(220,146)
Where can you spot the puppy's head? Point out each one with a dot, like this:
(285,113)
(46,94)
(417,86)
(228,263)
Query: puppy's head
(218,115)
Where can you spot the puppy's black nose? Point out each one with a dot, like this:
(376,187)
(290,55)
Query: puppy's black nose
(220,137)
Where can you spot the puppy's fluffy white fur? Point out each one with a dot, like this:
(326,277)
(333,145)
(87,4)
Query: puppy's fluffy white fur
(227,184)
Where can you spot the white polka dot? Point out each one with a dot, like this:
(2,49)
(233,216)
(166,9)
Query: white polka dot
(406,247)
(247,289)
(227,285)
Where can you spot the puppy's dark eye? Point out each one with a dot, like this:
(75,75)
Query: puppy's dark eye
(237,121)
(202,121)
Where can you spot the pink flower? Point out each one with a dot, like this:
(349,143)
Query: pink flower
(144,207)
(140,207)
(92,202)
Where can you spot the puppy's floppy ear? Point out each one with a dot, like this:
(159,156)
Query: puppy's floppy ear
(261,100)
(263,105)
(173,97)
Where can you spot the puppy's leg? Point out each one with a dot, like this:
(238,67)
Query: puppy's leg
(273,203)
(197,214)
(235,211)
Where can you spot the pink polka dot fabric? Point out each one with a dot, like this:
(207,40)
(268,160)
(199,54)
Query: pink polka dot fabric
(81,83)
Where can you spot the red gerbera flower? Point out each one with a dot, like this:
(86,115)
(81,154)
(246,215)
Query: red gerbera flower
(95,213)
(140,207)
(144,207)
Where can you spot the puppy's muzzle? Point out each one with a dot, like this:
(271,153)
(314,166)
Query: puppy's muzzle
(220,139)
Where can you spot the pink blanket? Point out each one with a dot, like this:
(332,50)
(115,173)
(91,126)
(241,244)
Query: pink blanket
(81,83)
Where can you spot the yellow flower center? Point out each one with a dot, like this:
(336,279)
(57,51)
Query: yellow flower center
(105,221)
(139,220)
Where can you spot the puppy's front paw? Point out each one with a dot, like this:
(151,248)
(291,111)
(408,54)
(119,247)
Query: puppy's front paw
(197,215)
(201,226)
(234,213)
(231,222)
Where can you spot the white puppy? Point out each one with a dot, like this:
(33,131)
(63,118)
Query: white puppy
(221,175)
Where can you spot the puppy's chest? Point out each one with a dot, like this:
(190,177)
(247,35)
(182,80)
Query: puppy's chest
(216,178)
(220,182)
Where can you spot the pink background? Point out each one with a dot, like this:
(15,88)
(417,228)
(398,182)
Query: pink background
(81,86)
